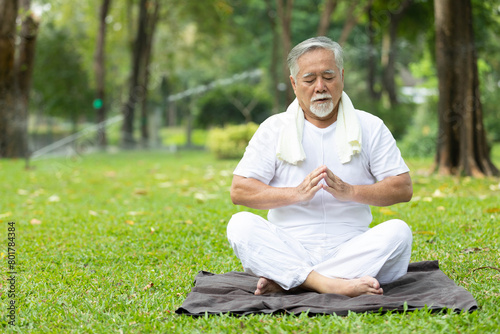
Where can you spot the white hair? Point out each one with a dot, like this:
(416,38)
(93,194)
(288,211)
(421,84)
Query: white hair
(311,44)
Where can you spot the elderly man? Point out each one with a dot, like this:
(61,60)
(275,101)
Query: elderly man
(317,168)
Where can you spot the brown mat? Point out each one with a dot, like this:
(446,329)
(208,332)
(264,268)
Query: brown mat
(424,285)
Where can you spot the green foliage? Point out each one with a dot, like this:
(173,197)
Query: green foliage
(396,117)
(211,15)
(200,41)
(230,142)
(491,114)
(420,139)
(81,28)
(109,225)
(226,105)
(60,83)
(490,99)
(424,70)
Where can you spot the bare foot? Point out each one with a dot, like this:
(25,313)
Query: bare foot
(366,285)
(266,286)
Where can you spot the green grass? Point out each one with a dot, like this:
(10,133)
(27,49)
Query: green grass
(93,232)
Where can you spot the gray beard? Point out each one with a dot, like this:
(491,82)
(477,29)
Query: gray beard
(322,110)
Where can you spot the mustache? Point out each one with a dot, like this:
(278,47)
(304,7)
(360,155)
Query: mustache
(320,97)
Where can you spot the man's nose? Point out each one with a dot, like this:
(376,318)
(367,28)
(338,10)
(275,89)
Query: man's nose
(320,85)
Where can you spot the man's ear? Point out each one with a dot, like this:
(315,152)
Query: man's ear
(293,83)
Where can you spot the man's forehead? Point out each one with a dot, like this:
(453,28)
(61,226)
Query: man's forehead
(317,61)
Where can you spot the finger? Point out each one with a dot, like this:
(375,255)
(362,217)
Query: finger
(314,188)
(315,180)
(330,174)
(331,179)
(318,171)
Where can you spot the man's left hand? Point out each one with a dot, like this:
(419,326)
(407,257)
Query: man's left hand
(337,188)
(389,191)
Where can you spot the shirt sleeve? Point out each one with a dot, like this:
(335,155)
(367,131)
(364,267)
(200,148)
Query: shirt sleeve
(385,157)
(259,160)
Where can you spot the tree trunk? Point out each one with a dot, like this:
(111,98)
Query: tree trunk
(273,67)
(350,22)
(8,14)
(353,19)
(389,66)
(461,148)
(372,57)
(152,19)
(189,122)
(390,52)
(285,14)
(26,57)
(24,70)
(100,74)
(136,90)
(168,106)
(324,22)
(15,77)
(172,114)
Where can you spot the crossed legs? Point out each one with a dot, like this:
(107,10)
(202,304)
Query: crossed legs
(357,267)
(365,285)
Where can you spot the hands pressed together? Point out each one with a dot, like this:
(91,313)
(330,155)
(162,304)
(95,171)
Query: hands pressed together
(333,184)
(255,194)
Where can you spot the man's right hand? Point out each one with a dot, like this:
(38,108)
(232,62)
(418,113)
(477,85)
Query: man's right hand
(311,184)
(258,195)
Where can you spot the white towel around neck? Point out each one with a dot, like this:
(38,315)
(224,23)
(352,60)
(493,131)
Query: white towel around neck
(347,136)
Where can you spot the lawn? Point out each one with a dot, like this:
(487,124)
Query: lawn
(111,243)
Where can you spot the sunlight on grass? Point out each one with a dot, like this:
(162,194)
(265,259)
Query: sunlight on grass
(110,243)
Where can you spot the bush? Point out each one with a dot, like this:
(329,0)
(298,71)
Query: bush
(230,142)
(421,136)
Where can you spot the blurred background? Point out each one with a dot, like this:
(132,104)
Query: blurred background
(170,75)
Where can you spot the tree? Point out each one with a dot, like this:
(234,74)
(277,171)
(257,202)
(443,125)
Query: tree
(390,51)
(273,66)
(138,86)
(285,15)
(353,17)
(100,69)
(324,22)
(372,56)
(135,90)
(15,76)
(8,14)
(461,148)
(152,21)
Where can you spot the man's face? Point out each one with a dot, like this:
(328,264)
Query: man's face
(319,85)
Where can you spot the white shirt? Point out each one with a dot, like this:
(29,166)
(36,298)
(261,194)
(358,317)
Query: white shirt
(324,221)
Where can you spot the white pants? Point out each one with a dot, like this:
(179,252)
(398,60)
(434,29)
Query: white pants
(265,250)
